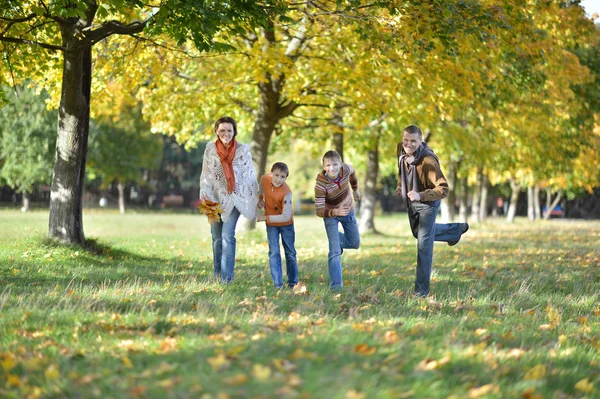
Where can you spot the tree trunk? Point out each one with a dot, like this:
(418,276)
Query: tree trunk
(65,222)
(448,206)
(337,138)
(536,203)
(476,200)
(25,207)
(530,204)
(369,197)
(550,208)
(121,190)
(483,200)
(514,198)
(464,197)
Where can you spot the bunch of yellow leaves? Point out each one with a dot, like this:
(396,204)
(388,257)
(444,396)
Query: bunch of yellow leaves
(211,209)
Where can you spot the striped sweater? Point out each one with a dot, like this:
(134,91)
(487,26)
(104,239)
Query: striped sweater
(333,194)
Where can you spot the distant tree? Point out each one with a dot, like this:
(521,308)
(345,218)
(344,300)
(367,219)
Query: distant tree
(27,141)
(121,148)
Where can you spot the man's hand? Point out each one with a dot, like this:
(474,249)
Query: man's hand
(356,195)
(261,204)
(398,191)
(261,218)
(414,196)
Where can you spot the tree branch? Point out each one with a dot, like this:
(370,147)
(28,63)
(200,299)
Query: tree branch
(113,27)
(32,43)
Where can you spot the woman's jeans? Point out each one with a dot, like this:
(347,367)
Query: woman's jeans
(350,238)
(223,243)
(421,216)
(288,237)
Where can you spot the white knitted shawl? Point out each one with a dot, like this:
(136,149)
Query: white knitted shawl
(213,184)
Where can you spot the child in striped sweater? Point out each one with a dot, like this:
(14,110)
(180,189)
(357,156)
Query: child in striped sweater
(335,188)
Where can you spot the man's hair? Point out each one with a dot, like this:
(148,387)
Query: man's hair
(333,155)
(227,119)
(413,129)
(281,167)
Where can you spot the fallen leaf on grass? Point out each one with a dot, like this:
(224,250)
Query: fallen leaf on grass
(585,386)
(218,362)
(432,364)
(126,362)
(365,349)
(52,372)
(300,289)
(260,372)
(391,337)
(483,390)
(536,373)
(168,344)
(352,394)
(238,379)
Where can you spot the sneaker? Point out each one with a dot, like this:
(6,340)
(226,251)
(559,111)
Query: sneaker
(465,228)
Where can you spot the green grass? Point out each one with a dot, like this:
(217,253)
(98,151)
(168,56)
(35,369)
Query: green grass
(514,313)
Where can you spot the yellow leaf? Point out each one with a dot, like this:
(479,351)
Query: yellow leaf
(584,386)
(364,349)
(168,344)
(52,372)
(562,339)
(260,372)
(126,362)
(237,379)
(352,394)
(391,337)
(483,390)
(300,289)
(8,364)
(218,362)
(13,380)
(536,373)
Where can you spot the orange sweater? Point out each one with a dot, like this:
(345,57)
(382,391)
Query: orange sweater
(276,199)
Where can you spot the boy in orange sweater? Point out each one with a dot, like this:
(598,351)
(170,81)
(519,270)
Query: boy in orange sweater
(275,197)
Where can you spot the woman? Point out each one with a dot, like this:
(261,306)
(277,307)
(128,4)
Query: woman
(228,178)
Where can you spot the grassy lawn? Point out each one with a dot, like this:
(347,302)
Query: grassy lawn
(515,313)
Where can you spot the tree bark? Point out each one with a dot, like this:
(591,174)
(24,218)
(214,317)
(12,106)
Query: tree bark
(448,205)
(536,203)
(121,190)
(476,200)
(514,198)
(25,207)
(553,204)
(485,188)
(464,197)
(369,197)
(530,204)
(65,222)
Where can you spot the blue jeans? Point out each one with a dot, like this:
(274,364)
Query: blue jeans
(350,238)
(421,216)
(223,243)
(288,236)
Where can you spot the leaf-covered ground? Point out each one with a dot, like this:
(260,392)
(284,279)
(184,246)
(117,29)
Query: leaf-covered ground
(514,313)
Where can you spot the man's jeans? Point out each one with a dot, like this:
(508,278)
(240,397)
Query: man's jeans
(223,242)
(421,216)
(288,237)
(350,238)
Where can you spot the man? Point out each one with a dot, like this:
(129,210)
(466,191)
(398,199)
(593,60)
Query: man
(422,184)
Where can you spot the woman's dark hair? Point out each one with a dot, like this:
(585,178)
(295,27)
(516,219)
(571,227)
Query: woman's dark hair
(226,119)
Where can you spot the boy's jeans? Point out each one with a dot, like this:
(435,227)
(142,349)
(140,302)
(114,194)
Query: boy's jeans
(223,242)
(350,238)
(421,216)
(288,237)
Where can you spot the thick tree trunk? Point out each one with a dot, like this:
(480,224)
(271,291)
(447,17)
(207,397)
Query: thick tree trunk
(449,203)
(536,203)
(25,207)
(337,138)
(464,197)
(121,190)
(476,200)
(530,204)
(65,222)
(514,198)
(369,196)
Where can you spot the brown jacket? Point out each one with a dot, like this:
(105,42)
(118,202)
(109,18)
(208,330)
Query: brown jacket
(432,184)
